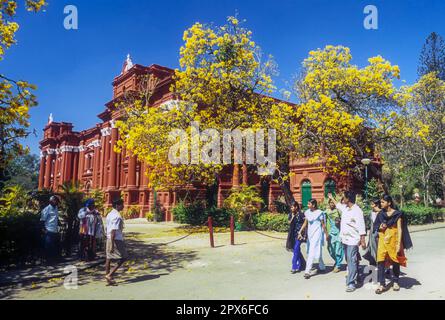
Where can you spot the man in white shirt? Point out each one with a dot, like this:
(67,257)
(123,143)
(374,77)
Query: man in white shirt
(352,234)
(50,219)
(115,247)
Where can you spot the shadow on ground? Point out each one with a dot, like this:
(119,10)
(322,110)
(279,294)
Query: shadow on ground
(146,262)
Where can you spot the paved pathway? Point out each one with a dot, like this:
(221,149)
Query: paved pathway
(256,268)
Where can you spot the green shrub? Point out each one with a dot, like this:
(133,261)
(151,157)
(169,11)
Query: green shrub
(131,213)
(193,213)
(196,214)
(418,214)
(271,222)
(221,216)
(149,216)
(20,238)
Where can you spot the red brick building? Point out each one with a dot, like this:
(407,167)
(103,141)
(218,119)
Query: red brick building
(88,157)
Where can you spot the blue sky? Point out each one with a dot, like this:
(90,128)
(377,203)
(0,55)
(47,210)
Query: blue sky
(73,69)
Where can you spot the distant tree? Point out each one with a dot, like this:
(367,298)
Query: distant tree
(23,171)
(432,57)
(99,200)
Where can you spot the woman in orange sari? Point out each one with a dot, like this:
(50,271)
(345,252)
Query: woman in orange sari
(393,239)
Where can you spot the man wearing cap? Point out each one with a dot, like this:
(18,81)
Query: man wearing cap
(50,219)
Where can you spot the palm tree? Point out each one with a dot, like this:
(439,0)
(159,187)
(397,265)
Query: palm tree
(72,198)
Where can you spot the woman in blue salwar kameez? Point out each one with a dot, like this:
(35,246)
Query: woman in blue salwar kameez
(296,220)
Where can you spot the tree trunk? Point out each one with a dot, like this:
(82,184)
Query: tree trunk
(235,176)
(284,171)
(245,175)
(425,187)
(285,187)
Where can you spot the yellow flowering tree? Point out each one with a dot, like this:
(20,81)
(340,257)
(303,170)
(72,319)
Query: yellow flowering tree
(363,99)
(16,97)
(225,82)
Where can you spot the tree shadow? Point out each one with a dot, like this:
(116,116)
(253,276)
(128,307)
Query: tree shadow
(146,277)
(146,262)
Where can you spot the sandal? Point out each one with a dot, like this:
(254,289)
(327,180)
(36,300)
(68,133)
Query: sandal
(307,276)
(380,290)
(395,287)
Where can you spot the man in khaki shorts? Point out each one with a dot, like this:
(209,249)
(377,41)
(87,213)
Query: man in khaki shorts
(115,248)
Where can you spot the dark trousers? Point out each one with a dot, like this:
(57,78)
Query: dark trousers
(51,246)
(381,272)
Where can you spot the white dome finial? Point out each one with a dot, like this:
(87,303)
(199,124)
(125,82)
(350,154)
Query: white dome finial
(128,63)
(50,118)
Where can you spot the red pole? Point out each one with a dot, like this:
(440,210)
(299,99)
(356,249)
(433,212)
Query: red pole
(232,231)
(210,223)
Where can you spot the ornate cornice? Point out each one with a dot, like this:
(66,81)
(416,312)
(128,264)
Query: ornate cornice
(94,144)
(105,131)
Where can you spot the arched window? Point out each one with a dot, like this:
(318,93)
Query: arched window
(306,192)
(88,186)
(329,187)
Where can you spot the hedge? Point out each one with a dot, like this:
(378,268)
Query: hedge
(271,222)
(196,214)
(418,214)
(20,238)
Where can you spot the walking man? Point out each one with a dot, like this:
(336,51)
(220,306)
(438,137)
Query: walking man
(115,246)
(352,234)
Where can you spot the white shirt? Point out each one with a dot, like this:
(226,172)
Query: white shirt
(51,217)
(373,216)
(115,222)
(352,224)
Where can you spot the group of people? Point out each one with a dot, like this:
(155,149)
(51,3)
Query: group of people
(342,227)
(90,230)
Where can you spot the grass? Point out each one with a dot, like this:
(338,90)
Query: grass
(176,231)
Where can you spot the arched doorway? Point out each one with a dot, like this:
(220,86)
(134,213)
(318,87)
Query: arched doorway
(329,187)
(306,192)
